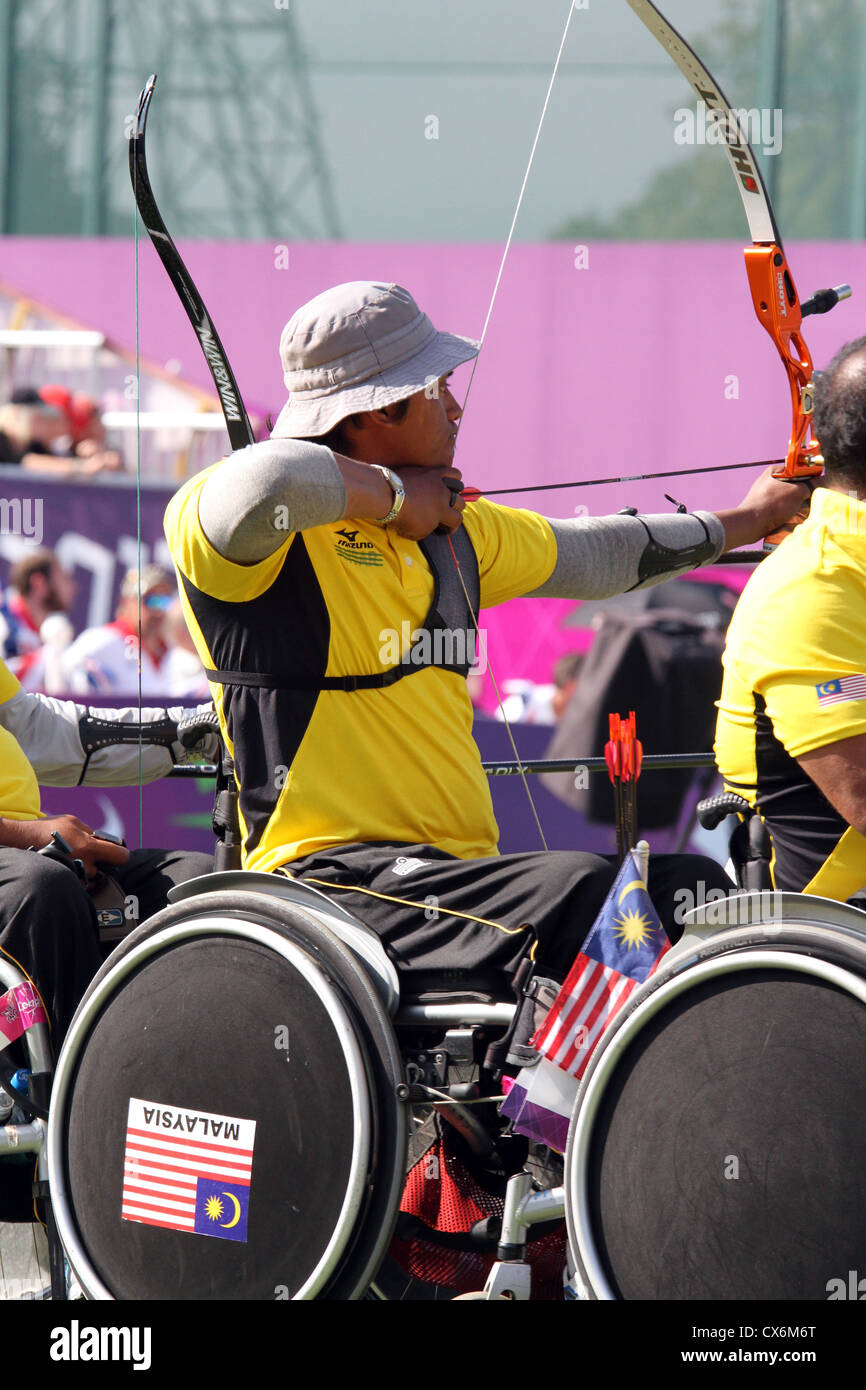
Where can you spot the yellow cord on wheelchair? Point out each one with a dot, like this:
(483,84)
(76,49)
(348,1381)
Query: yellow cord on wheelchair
(407,902)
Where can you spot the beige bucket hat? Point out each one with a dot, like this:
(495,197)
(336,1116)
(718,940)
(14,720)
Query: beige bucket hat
(359,346)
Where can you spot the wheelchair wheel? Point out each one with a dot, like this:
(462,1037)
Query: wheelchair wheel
(225,1121)
(718,1145)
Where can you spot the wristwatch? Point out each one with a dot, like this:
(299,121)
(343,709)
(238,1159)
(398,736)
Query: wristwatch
(396,487)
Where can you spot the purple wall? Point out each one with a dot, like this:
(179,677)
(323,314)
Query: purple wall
(650,358)
(618,368)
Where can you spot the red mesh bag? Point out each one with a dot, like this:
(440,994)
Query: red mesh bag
(449,1199)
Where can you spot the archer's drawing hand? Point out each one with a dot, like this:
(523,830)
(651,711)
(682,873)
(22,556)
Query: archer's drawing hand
(431,503)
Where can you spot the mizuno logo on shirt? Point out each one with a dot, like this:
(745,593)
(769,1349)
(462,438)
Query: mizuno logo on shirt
(359,552)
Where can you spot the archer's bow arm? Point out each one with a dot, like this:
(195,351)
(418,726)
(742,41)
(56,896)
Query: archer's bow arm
(257,496)
(600,557)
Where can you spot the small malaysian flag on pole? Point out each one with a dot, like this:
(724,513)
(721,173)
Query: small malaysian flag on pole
(188,1170)
(623,949)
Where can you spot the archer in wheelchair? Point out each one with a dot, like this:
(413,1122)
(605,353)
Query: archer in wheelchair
(791,734)
(175,1069)
(246,1063)
(269,1072)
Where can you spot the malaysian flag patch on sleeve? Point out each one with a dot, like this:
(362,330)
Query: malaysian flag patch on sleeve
(843,688)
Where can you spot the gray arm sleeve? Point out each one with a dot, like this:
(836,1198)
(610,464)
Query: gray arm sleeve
(599,557)
(47,731)
(263,493)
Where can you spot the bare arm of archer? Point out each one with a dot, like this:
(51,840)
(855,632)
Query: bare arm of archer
(767,505)
(839,771)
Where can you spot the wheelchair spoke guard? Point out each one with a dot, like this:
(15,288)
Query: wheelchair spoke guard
(225,1123)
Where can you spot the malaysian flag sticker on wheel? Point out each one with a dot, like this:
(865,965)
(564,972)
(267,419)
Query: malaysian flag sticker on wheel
(187,1170)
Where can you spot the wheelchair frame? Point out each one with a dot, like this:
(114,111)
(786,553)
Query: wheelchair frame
(510,1276)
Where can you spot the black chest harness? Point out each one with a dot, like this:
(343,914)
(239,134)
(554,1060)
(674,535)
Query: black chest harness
(445,640)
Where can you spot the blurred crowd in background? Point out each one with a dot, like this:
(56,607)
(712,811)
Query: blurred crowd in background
(52,430)
(40,646)
(55,432)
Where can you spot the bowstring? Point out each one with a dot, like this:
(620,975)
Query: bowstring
(493,297)
(138,510)
(520,768)
(519,204)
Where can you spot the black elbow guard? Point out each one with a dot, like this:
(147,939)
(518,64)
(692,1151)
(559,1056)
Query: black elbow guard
(103,733)
(664,559)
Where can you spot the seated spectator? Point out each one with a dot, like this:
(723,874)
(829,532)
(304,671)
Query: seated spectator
(41,590)
(565,677)
(526,702)
(85,428)
(30,424)
(106,658)
(186,677)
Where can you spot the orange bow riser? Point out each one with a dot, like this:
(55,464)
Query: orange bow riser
(777,305)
